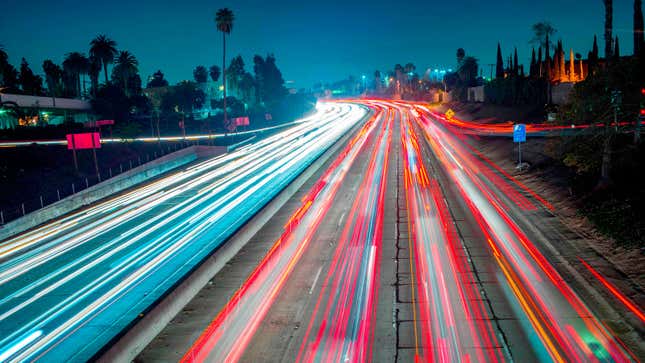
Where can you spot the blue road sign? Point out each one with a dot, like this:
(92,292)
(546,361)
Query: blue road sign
(519,133)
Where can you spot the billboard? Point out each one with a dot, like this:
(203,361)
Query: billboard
(86,140)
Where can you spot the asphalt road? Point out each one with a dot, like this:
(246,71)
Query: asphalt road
(424,250)
(408,245)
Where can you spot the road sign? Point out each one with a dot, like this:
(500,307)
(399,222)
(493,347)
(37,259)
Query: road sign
(87,140)
(450,114)
(519,133)
(241,121)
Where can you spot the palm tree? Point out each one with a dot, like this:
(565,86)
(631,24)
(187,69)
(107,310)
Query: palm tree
(200,74)
(76,64)
(93,70)
(638,27)
(126,65)
(214,72)
(224,20)
(104,49)
(609,27)
(53,74)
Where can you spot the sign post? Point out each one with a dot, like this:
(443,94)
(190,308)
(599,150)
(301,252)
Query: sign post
(519,136)
(87,140)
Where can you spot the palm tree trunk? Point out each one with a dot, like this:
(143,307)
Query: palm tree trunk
(224,73)
(609,17)
(105,70)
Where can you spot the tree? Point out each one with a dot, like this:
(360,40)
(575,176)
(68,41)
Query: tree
(639,43)
(258,69)
(8,74)
(272,86)
(516,66)
(609,18)
(224,20)
(200,74)
(93,70)
(246,85)
(157,80)
(532,68)
(53,75)
(183,97)
(542,32)
(214,72)
(104,49)
(126,66)
(468,72)
(31,83)
(75,64)
(616,49)
(461,53)
(235,72)
(499,69)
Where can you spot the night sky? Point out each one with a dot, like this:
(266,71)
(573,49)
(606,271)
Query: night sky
(312,41)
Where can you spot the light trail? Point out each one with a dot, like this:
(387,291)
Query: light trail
(228,335)
(341,326)
(455,325)
(566,328)
(82,279)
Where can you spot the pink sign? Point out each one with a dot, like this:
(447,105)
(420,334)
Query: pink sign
(104,122)
(86,140)
(242,121)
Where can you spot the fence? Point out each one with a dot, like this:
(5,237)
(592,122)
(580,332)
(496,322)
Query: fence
(55,194)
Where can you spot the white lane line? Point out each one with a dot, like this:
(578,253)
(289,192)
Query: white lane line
(315,280)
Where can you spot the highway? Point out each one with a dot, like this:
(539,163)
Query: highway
(407,245)
(448,267)
(68,287)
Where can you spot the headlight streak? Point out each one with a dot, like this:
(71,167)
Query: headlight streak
(341,325)
(230,332)
(173,232)
(557,314)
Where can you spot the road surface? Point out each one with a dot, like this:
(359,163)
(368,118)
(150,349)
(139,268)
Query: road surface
(408,245)
(411,245)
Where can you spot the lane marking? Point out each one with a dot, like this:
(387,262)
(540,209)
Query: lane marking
(311,290)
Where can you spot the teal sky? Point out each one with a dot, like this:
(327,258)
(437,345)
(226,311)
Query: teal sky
(312,41)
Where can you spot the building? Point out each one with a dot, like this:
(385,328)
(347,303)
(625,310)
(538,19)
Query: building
(22,110)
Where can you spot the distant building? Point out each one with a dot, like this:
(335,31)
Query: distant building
(22,110)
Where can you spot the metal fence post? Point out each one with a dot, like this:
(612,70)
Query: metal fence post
(130,164)
(73,189)
(87,183)
(58,193)
(1,217)
(120,168)
(23,208)
(110,172)
(42,205)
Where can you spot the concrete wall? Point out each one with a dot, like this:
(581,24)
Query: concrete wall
(109,187)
